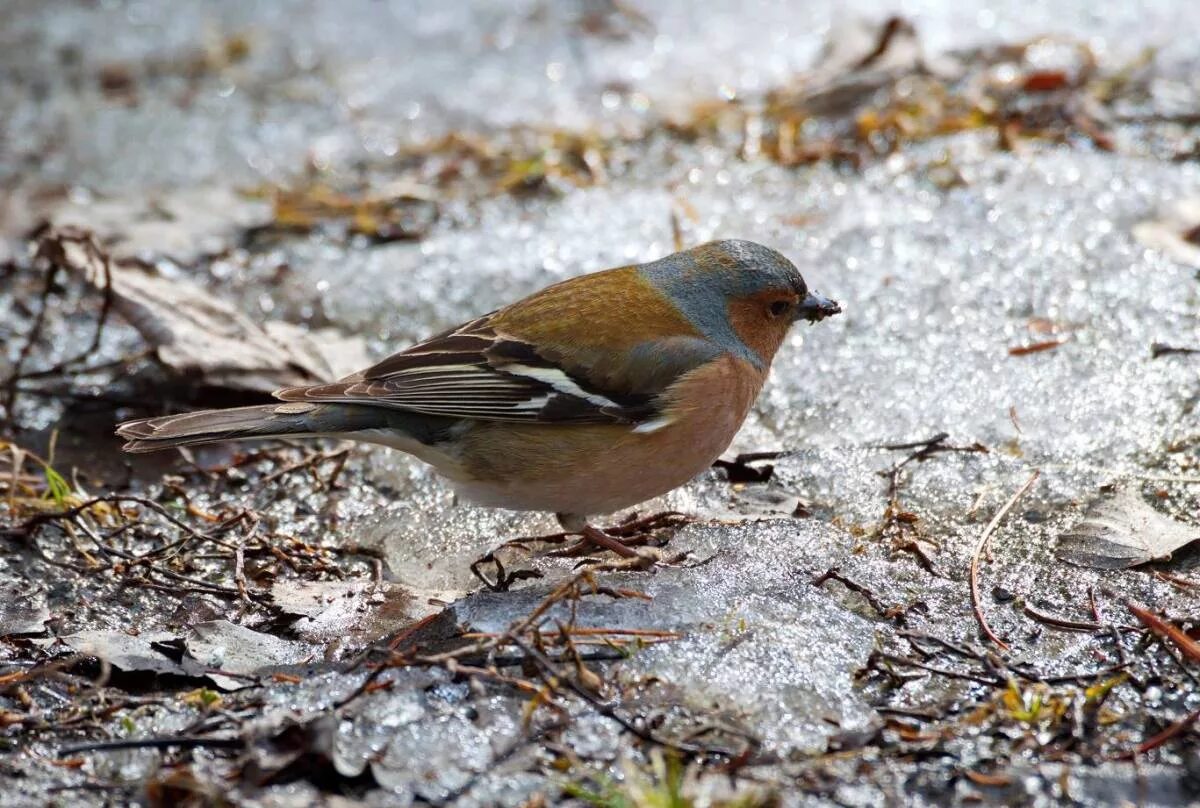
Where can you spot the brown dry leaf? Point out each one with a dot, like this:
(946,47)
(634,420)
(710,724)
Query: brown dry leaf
(1044,325)
(1035,347)
(362,611)
(402,211)
(230,648)
(21,612)
(131,653)
(1174,232)
(173,786)
(182,225)
(1044,81)
(988,780)
(862,55)
(202,337)
(1123,532)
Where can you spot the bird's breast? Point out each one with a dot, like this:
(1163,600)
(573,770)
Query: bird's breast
(600,468)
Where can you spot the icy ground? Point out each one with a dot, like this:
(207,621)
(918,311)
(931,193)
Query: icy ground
(995,294)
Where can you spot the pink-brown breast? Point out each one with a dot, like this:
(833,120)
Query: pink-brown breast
(601,468)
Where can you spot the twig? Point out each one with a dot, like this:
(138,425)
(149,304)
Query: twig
(980,546)
(310,461)
(925,446)
(832,574)
(1073,678)
(1158,349)
(904,712)
(34,333)
(914,638)
(587,632)
(894,517)
(1059,622)
(239,571)
(153,743)
(50,252)
(1186,645)
(608,711)
(1159,739)
(913,663)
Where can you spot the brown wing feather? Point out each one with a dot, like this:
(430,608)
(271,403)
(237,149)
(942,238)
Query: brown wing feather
(531,362)
(474,372)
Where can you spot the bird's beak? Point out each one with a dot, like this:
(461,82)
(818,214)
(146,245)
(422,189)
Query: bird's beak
(815,308)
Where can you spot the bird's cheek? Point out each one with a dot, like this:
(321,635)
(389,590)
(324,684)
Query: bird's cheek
(761,335)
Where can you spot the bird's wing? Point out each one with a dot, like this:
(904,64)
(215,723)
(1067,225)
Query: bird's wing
(478,371)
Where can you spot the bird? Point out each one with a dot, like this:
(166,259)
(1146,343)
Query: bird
(590,396)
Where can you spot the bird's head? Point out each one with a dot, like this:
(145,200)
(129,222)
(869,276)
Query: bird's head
(741,295)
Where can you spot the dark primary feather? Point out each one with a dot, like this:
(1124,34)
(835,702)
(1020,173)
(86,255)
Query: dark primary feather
(276,420)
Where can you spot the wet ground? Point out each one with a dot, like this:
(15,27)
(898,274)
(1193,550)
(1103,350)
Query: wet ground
(999,202)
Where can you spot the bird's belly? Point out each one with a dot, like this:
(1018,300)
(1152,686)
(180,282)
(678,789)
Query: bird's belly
(601,468)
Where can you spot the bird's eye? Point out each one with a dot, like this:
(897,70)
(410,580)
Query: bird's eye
(780,308)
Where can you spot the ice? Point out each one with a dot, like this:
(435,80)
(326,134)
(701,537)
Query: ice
(274,85)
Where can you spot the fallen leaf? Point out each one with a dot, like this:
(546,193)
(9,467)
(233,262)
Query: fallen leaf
(1044,81)
(1123,532)
(200,336)
(758,501)
(129,653)
(21,612)
(1036,347)
(741,470)
(183,225)
(988,780)
(1173,232)
(1044,325)
(865,44)
(361,611)
(402,211)
(860,56)
(171,786)
(225,646)
(300,747)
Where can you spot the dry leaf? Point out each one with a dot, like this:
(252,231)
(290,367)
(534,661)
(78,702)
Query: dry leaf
(860,56)
(182,225)
(361,611)
(400,211)
(1035,347)
(21,612)
(225,646)
(201,336)
(1173,232)
(1123,532)
(130,653)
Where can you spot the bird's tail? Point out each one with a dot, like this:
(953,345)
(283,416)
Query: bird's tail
(241,423)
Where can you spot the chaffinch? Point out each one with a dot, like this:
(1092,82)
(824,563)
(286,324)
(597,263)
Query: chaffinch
(587,397)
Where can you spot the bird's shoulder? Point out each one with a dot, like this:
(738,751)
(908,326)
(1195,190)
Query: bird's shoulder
(615,308)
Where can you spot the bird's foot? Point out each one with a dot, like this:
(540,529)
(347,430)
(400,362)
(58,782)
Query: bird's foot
(633,525)
(633,537)
(623,538)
